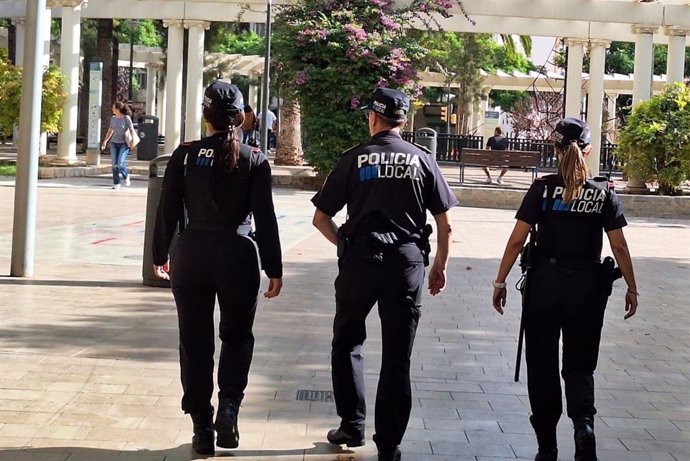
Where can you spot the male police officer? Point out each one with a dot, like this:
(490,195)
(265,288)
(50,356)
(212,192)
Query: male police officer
(388,185)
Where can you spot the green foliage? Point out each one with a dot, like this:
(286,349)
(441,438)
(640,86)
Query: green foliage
(332,54)
(620,59)
(145,32)
(508,99)
(53,97)
(656,140)
(225,39)
(8,170)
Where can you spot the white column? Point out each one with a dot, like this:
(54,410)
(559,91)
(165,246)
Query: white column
(173,122)
(597,57)
(611,125)
(573,90)
(47,20)
(253,97)
(19,24)
(151,78)
(161,107)
(195,78)
(675,59)
(69,64)
(19,40)
(644,55)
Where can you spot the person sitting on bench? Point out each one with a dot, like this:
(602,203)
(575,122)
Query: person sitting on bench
(496,142)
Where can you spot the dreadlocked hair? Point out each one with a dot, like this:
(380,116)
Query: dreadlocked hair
(230,151)
(572,169)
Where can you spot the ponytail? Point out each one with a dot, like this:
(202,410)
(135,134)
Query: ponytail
(573,170)
(231,149)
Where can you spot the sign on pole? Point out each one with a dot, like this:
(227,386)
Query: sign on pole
(93,138)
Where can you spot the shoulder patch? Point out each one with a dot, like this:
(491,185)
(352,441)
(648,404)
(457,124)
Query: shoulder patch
(424,148)
(351,149)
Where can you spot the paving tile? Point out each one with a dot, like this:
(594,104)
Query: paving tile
(89,364)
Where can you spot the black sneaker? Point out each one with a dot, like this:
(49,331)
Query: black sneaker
(226,426)
(340,437)
(393,455)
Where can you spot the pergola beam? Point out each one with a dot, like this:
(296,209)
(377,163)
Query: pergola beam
(602,19)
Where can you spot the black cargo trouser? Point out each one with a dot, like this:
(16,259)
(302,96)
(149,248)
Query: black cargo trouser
(396,284)
(569,299)
(206,264)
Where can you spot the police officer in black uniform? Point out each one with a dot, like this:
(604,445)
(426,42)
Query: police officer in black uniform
(387,185)
(568,287)
(217,181)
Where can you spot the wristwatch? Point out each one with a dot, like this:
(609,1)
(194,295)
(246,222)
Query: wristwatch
(499,285)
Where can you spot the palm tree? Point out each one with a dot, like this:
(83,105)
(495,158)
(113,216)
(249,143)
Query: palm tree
(289,148)
(511,46)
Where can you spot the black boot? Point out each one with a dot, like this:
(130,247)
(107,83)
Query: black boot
(585,442)
(226,425)
(546,439)
(547,455)
(202,442)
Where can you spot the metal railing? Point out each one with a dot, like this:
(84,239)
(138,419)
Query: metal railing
(449,147)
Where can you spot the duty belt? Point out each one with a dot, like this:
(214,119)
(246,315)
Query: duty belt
(211,227)
(567,263)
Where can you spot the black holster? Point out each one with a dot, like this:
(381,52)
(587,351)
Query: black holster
(425,244)
(611,273)
(343,243)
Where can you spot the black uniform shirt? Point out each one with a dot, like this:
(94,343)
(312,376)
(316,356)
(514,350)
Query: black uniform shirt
(214,199)
(571,231)
(390,176)
(497,142)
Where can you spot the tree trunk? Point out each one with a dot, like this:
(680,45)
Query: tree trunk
(289,150)
(104,52)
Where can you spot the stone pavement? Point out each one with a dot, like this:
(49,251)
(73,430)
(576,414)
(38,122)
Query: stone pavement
(88,355)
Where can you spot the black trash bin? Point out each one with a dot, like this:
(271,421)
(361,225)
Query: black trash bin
(148,133)
(428,138)
(153,197)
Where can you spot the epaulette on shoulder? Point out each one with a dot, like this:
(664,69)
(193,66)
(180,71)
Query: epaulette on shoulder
(424,148)
(351,149)
(603,180)
(186,143)
(600,179)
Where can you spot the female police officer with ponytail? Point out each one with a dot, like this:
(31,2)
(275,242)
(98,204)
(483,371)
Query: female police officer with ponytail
(568,287)
(218,182)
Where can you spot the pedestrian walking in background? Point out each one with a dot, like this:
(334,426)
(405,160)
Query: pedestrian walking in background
(249,125)
(567,287)
(120,126)
(387,185)
(217,182)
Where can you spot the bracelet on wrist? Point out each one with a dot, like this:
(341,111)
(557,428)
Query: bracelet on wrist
(499,285)
(633,292)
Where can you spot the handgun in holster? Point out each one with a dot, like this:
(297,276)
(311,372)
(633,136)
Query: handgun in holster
(611,272)
(426,243)
(343,242)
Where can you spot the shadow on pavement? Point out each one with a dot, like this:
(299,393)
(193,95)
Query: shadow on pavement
(180,453)
(7,280)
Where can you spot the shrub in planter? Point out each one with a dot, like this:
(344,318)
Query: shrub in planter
(656,139)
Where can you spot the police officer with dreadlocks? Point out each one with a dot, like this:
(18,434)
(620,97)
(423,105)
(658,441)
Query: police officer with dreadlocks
(568,287)
(218,182)
(387,185)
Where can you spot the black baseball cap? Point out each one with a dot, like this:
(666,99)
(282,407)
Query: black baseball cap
(390,103)
(223,98)
(572,129)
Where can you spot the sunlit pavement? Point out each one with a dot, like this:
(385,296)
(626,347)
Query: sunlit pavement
(88,355)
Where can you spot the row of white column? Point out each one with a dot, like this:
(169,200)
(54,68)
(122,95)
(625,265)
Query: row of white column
(642,83)
(169,106)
